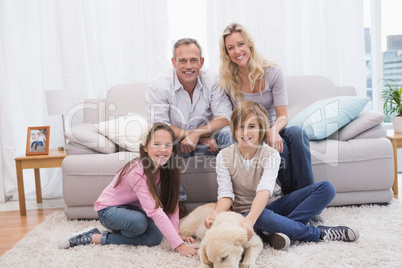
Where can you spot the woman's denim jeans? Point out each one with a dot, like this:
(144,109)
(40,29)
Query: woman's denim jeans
(295,171)
(291,213)
(130,226)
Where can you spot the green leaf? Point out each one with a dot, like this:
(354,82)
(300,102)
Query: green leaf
(392,97)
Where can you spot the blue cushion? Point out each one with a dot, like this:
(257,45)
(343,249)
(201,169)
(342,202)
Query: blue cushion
(324,117)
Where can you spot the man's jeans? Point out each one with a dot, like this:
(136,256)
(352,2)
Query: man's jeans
(223,139)
(291,213)
(130,225)
(295,171)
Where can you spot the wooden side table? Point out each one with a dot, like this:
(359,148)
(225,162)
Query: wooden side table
(396,140)
(53,159)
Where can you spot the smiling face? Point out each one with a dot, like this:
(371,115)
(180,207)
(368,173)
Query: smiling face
(159,147)
(248,132)
(188,63)
(237,48)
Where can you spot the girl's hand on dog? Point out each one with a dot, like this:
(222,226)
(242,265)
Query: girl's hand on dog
(188,239)
(186,250)
(249,226)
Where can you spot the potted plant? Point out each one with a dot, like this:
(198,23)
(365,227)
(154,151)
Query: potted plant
(392,97)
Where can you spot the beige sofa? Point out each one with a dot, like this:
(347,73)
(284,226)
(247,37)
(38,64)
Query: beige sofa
(360,167)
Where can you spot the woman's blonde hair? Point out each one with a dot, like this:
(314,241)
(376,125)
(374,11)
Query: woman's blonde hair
(242,111)
(228,71)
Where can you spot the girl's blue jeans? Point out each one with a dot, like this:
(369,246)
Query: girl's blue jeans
(130,226)
(291,213)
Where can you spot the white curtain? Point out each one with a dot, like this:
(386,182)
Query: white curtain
(88,46)
(83,46)
(303,36)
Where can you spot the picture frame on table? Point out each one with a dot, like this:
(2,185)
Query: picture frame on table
(38,140)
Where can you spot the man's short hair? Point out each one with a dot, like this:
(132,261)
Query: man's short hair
(185,41)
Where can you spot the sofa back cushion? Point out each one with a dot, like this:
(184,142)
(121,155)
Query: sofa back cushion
(304,90)
(124,99)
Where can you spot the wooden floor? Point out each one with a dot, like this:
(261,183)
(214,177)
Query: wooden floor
(14,227)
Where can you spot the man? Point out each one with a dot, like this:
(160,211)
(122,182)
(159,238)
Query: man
(191,102)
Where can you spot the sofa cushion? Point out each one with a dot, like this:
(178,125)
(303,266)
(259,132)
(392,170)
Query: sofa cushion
(366,120)
(87,136)
(125,131)
(324,117)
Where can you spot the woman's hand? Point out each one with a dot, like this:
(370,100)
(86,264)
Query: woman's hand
(186,250)
(188,239)
(275,140)
(249,226)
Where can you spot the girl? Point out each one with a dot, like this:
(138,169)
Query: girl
(246,174)
(140,205)
(246,75)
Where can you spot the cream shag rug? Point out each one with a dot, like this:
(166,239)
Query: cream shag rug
(380,245)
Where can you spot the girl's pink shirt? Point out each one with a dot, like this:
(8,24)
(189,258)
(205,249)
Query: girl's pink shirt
(133,190)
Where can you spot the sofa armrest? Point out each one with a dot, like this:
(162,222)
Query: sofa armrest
(364,122)
(378,131)
(75,149)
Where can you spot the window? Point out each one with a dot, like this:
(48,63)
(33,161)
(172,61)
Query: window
(383,40)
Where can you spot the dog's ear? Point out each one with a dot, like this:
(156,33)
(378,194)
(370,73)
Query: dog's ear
(241,238)
(202,252)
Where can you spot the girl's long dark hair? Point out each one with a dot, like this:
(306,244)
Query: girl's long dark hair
(168,197)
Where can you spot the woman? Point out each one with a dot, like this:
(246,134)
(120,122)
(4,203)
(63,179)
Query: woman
(246,75)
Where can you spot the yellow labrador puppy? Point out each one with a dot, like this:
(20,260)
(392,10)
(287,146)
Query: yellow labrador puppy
(225,243)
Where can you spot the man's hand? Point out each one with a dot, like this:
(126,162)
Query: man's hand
(210,142)
(188,143)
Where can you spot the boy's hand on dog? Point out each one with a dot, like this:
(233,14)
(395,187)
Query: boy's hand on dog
(208,221)
(186,250)
(249,226)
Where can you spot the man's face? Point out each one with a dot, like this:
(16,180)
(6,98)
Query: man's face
(188,63)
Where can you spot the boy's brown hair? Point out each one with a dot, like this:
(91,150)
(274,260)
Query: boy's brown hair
(244,109)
